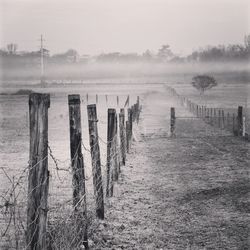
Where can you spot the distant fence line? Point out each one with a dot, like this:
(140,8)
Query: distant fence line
(234,123)
(39,232)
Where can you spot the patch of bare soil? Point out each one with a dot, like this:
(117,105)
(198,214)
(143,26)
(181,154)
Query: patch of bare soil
(180,193)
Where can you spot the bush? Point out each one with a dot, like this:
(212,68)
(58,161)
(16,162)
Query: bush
(203,82)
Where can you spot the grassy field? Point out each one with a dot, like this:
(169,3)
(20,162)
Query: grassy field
(14,146)
(187,192)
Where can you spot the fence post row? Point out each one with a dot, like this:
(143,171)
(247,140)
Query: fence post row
(110,139)
(77,164)
(212,116)
(96,161)
(38,180)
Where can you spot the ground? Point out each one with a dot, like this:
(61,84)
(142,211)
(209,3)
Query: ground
(178,193)
(187,192)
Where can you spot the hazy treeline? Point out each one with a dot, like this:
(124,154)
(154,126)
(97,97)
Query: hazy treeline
(16,64)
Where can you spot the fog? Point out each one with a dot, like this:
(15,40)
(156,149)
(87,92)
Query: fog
(130,72)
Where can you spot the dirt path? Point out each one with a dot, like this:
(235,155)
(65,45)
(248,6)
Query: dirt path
(182,193)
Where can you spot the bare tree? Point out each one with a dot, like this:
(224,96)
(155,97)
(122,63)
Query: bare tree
(12,48)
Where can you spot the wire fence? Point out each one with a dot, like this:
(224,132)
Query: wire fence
(209,121)
(61,221)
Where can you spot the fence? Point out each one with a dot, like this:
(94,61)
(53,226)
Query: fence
(33,220)
(232,122)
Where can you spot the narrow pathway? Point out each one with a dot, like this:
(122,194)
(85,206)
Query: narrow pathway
(182,193)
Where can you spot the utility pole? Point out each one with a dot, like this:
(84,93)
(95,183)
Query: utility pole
(42,62)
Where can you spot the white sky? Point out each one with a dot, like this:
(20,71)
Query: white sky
(95,26)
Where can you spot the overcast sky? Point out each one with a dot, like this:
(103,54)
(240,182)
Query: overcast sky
(97,26)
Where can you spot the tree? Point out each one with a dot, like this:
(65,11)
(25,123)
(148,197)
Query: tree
(148,55)
(203,83)
(12,48)
(165,53)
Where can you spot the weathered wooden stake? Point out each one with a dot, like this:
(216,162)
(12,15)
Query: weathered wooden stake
(96,161)
(234,130)
(211,115)
(115,154)
(38,182)
(243,126)
(127,136)
(223,119)
(117,101)
(122,136)
(215,117)
(138,109)
(130,117)
(228,120)
(219,118)
(78,180)
(172,122)
(240,121)
(110,141)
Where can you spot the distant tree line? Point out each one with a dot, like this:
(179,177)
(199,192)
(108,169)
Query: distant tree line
(222,53)
(11,57)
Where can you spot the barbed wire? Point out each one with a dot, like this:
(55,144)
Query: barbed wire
(61,212)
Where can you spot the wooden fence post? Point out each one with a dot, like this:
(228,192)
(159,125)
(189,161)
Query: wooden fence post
(96,161)
(207,114)
(138,109)
(127,136)
(223,119)
(130,118)
(228,120)
(115,154)
(211,116)
(215,117)
(110,141)
(234,131)
(240,121)
(78,180)
(122,136)
(219,118)
(172,122)
(38,182)
(243,126)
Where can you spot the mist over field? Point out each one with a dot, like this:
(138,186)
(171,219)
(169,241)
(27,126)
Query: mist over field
(131,72)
